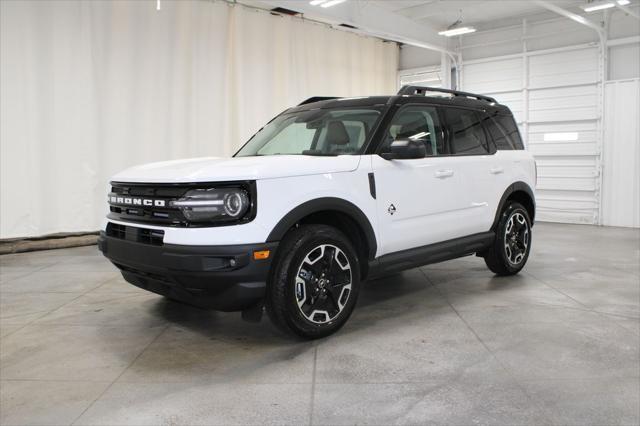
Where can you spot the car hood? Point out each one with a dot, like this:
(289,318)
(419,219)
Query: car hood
(214,169)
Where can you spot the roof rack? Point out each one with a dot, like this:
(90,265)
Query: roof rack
(317,99)
(421,90)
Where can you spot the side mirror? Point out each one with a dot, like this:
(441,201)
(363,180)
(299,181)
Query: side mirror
(405,149)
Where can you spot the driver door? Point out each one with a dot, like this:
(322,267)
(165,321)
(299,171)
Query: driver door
(419,201)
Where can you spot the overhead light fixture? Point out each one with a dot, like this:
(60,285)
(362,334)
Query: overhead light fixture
(457,31)
(457,28)
(325,3)
(623,2)
(332,3)
(597,5)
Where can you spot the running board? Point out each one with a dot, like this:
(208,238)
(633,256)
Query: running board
(433,253)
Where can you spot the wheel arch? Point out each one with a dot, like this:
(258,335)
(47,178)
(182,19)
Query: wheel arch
(523,194)
(337,212)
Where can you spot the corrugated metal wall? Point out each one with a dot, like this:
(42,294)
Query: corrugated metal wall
(621,172)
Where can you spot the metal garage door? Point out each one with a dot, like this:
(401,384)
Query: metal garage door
(431,77)
(555,96)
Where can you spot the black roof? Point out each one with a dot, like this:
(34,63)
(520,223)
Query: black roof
(406,95)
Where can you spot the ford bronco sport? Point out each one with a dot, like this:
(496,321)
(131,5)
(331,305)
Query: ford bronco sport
(328,194)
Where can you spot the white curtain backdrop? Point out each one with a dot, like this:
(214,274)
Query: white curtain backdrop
(91,87)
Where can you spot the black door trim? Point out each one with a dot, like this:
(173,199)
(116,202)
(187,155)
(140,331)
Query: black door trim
(372,185)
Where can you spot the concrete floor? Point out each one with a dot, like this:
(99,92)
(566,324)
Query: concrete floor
(444,344)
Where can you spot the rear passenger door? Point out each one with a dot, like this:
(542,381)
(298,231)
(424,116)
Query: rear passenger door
(473,154)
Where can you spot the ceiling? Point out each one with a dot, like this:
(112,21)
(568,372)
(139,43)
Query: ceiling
(439,14)
(483,14)
(417,22)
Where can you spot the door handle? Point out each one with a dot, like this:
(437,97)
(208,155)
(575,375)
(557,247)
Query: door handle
(441,174)
(496,170)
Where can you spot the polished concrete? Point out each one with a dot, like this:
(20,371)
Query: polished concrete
(444,344)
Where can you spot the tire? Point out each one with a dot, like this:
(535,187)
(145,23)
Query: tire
(300,299)
(512,245)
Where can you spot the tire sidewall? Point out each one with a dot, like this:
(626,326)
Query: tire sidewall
(288,270)
(512,209)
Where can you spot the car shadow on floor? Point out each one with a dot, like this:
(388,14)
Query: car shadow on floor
(400,296)
(204,344)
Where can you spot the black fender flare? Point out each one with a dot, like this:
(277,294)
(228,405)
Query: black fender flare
(514,187)
(326,204)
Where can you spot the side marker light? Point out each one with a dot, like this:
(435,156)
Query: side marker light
(261,255)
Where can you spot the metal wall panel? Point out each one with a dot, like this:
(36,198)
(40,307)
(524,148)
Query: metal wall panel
(563,104)
(621,171)
(563,68)
(496,76)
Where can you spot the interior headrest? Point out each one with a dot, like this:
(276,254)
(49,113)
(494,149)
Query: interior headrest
(337,133)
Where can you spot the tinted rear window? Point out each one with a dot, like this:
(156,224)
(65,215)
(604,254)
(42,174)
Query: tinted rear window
(504,131)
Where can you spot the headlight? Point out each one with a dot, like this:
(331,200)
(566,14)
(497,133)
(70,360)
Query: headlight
(206,205)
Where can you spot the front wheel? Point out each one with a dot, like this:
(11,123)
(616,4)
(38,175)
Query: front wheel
(315,282)
(510,250)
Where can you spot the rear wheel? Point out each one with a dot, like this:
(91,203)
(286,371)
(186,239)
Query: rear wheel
(315,282)
(510,250)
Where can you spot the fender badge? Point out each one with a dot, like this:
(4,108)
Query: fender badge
(391,209)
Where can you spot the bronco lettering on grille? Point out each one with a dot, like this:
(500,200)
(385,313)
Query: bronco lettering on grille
(136,201)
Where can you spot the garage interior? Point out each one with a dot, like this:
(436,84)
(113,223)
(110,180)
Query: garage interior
(89,88)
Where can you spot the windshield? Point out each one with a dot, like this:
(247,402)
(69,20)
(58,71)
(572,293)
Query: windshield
(314,132)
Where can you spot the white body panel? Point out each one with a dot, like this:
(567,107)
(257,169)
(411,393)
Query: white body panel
(431,205)
(215,169)
(430,198)
(441,198)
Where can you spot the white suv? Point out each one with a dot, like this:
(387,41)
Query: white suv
(326,195)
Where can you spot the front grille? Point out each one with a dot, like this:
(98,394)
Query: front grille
(139,235)
(150,203)
(157,196)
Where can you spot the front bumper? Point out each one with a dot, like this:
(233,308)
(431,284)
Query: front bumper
(225,278)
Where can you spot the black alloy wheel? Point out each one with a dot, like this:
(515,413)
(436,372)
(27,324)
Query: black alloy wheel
(512,245)
(323,283)
(314,283)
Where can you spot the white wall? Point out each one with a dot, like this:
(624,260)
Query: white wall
(624,61)
(91,87)
(621,174)
(417,57)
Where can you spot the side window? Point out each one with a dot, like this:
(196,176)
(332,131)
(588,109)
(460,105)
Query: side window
(419,123)
(291,140)
(510,129)
(466,133)
(498,135)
